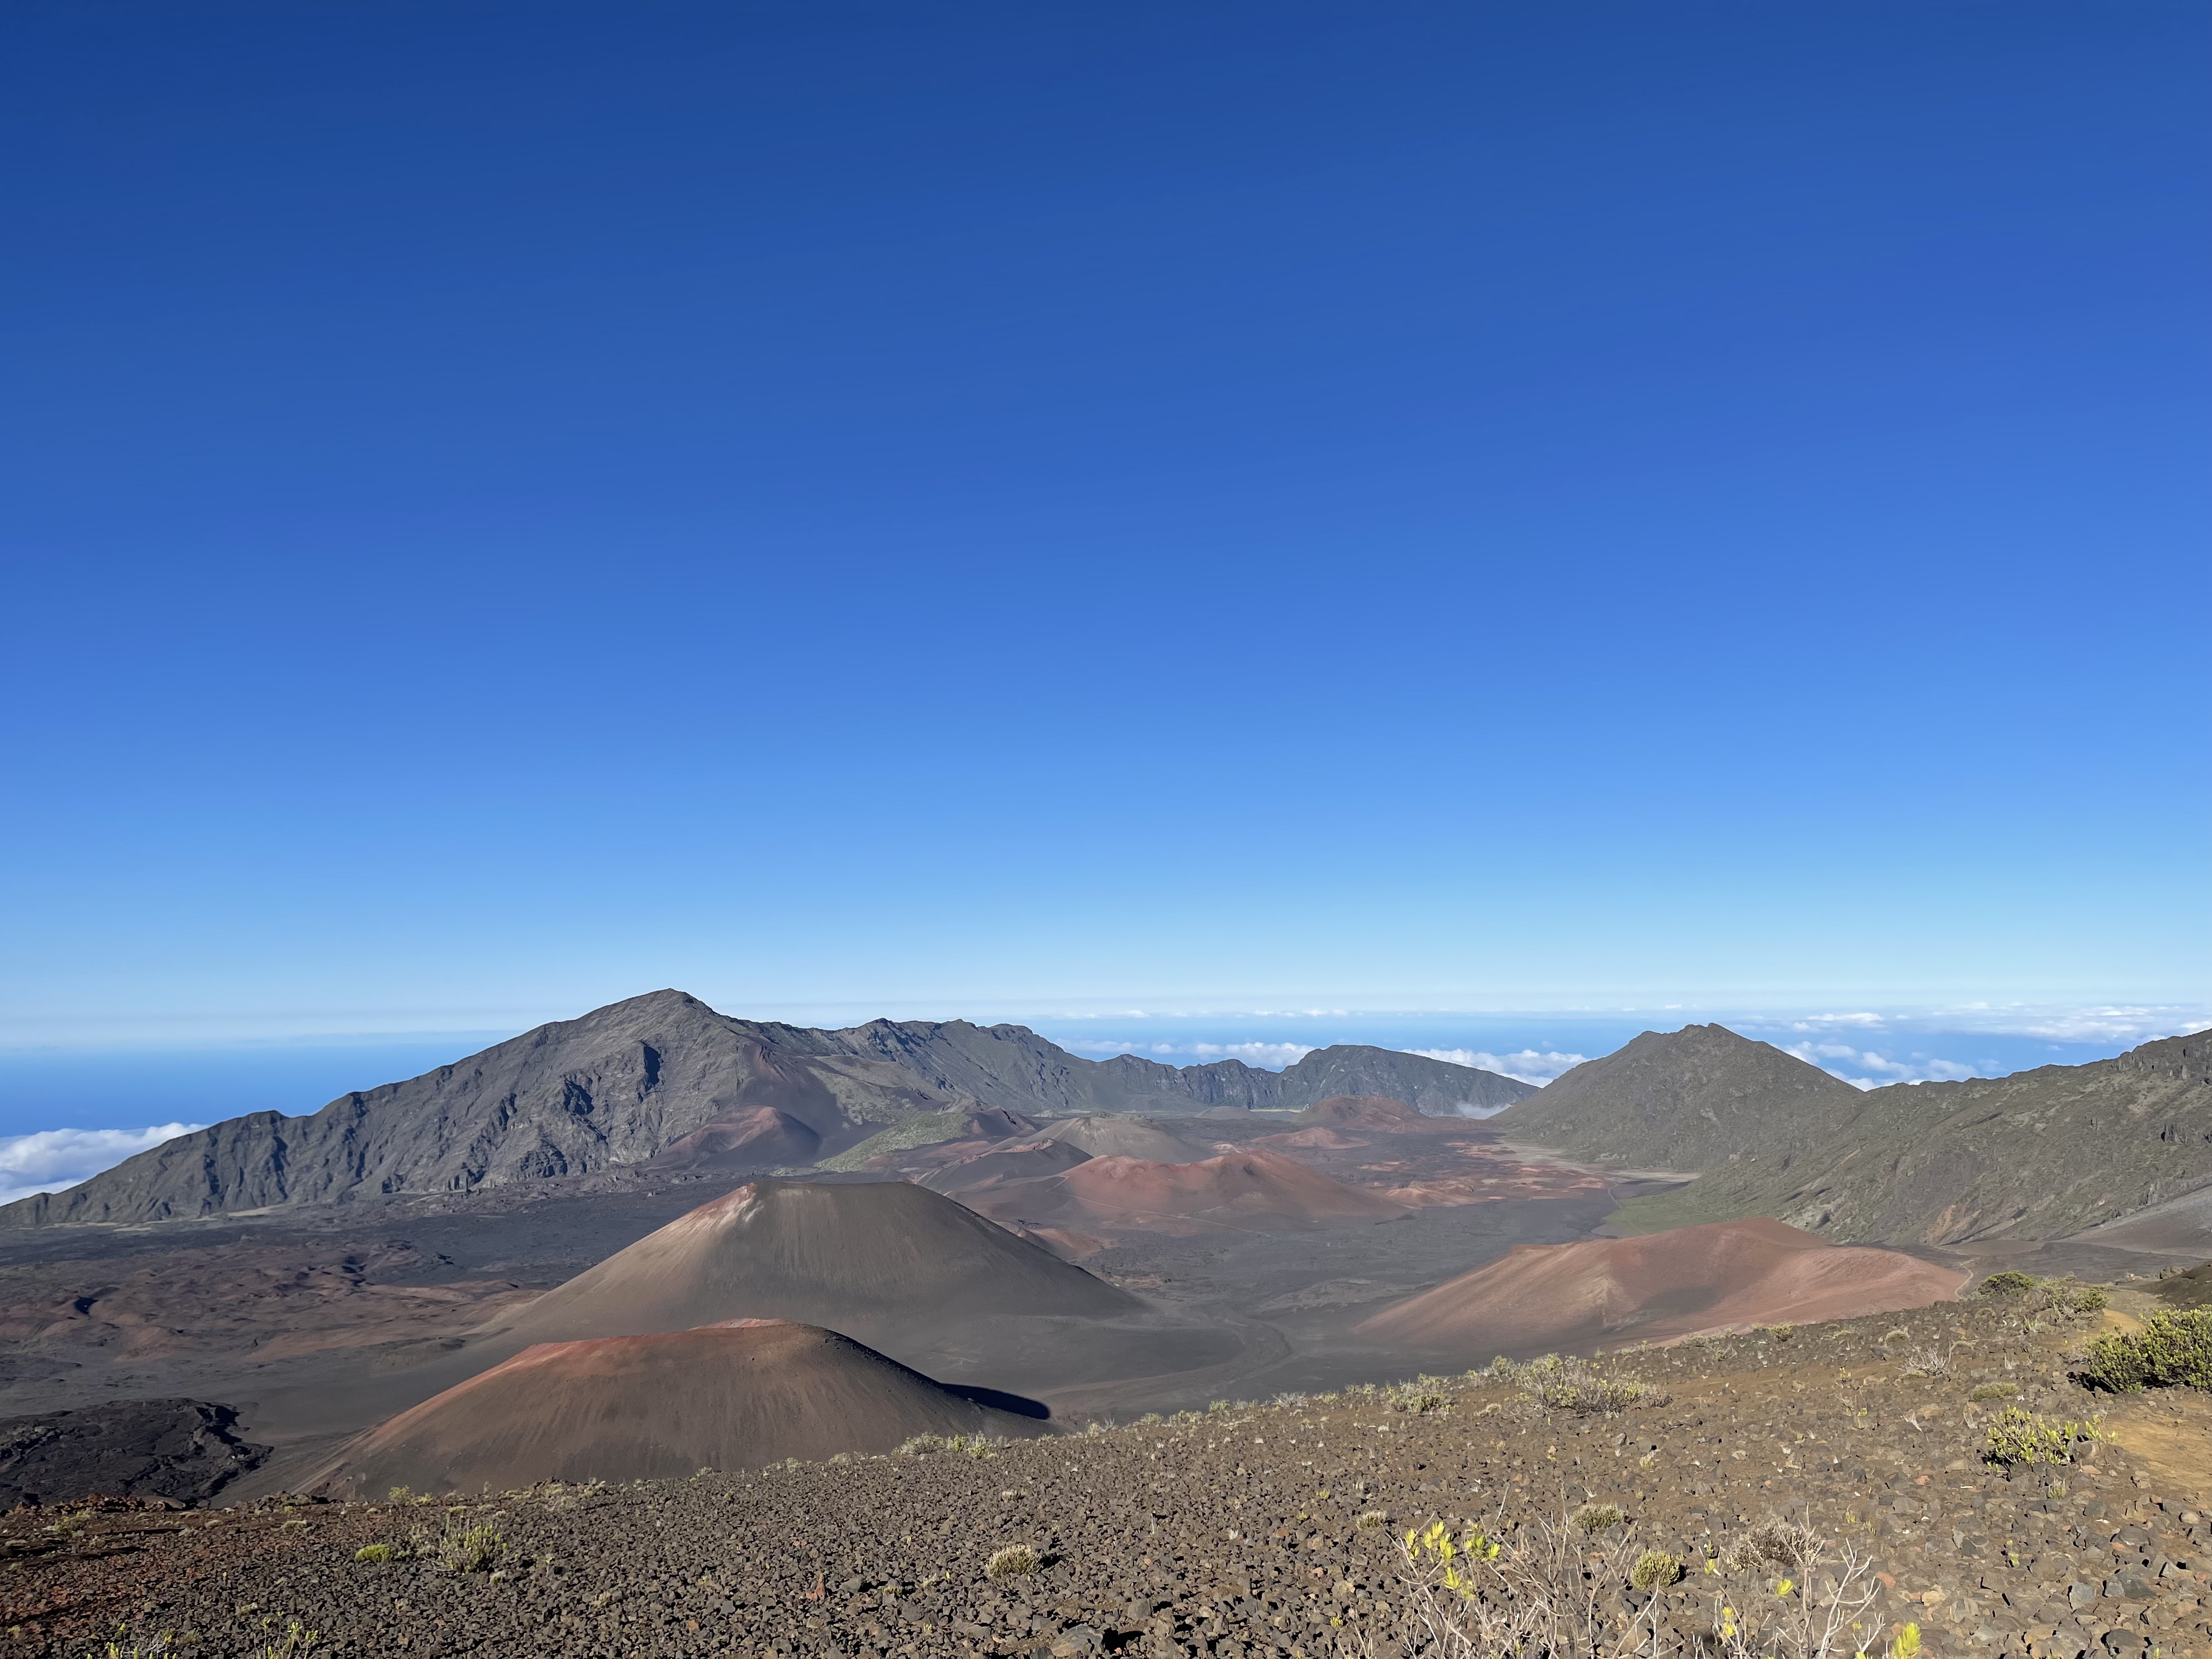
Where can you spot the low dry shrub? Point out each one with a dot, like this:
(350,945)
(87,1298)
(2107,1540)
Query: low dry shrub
(1015,1561)
(1773,1543)
(2172,1350)
(1929,1362)
(2010,1282)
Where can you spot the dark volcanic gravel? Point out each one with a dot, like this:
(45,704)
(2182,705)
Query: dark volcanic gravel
(1236,1533)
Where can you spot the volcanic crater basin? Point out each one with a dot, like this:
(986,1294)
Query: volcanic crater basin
(1238,1530)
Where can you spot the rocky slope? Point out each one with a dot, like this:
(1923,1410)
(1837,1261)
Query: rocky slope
(1698,1099)
(2036,1155)
(180,1451)
(663,1072)
(1247,1531)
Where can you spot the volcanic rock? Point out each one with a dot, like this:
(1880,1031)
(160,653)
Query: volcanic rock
(185,1450)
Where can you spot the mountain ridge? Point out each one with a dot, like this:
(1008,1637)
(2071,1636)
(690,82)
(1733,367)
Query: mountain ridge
(620,1084)
(1698,1099)
(2038,1154)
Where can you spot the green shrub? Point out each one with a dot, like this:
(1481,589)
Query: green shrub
(2021,1437)
(2010,1282)
(470,1549)
(2067,1296)
(376,1553)
(1015,1561)
(1992,1391)
(1595,1517)
(2172,1350)
(1655,1570)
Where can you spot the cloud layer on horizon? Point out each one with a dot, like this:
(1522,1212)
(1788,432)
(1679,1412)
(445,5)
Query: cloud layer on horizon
(49,1160)
(1524,1065)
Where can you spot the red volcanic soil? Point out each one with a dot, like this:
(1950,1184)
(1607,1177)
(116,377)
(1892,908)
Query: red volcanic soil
(761,1139)
(882,1258)
(1663,1284)
(1374,1112)
(730,1396)
(1238,1191)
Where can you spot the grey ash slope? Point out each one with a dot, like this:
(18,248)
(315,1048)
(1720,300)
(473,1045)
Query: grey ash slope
(1698,1099)
(628,1081)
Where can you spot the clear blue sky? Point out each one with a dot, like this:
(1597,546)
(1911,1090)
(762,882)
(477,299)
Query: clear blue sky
(979,507)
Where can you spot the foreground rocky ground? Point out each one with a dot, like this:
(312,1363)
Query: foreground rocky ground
(1245,1531)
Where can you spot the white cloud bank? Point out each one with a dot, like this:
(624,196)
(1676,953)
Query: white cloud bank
(1528,1064)
(1865,1068)
(52,1159)
(2123,1024)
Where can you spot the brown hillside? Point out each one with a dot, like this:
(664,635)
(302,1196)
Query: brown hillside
(730,1396)
(874,1257)
(1720,1276)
